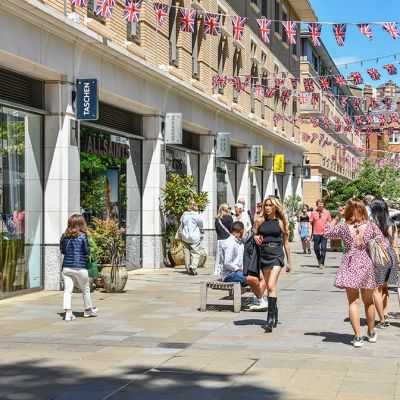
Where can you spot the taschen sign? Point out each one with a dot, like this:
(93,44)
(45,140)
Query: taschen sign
(87,100)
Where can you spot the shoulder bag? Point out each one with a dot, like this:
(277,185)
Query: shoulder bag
(379,255)
(223,226)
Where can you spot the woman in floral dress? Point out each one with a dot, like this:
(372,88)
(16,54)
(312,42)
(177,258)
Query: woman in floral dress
(356,272)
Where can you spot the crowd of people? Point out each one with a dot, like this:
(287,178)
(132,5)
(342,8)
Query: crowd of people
(253,250)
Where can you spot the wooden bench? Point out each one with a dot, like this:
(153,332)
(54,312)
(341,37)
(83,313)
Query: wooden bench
(235,290)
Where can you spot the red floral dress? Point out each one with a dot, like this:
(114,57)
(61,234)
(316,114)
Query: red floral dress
(356,269)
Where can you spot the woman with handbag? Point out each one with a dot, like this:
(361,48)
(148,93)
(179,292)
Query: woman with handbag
(74,246)
(357,270)
(388,273)
(223,226)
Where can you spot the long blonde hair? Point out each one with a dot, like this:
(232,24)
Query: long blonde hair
(223,209)
(279,211)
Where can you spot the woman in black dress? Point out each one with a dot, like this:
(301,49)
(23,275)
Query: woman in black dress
(223,226)
(272,234)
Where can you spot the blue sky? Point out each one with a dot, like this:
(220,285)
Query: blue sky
(357,46)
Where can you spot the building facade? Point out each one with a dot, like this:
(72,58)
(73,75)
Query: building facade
(53,165)
(329,152)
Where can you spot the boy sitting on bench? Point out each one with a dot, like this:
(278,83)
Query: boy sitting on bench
(232,261)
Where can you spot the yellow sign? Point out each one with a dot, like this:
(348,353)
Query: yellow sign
(279,163)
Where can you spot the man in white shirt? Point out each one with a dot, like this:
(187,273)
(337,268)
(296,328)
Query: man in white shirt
(241,216)
(232,261)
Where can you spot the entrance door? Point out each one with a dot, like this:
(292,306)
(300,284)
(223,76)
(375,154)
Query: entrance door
(20,201)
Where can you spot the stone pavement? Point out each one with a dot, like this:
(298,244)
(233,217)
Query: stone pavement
(152,343)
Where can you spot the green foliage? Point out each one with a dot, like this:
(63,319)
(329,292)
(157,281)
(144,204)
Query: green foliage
(378,182)
(292,226)
(94,250)
(293,205)
(109,239)
(176,195)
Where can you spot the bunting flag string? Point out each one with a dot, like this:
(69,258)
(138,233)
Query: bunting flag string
(238,27)
(104,8)
(161,12)
(132,10)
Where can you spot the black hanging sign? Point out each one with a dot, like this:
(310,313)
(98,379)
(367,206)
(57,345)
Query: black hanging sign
(87,100)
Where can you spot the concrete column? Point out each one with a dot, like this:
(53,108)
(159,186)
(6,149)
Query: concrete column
(243,173)
(288,181)
(61,175)
(297,182)
(269,180)
(208,184)
(153,237)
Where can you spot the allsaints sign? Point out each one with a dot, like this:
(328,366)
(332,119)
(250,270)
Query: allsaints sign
(87,100)
(105,147)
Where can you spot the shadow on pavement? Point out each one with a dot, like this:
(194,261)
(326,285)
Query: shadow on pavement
(32,380)
(248,322)
(333,337)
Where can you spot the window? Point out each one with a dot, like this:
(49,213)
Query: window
(237,65)
(133,31)
(254,82)
(394,138)
(284,18)
(91,9)
(173,51)
(264,8)
(253,49)
(277,17)
(315,62)
(195,52)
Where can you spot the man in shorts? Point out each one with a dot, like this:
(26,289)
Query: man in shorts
(232,262)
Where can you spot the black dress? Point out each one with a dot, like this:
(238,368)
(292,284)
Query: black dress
(227,222)
(272,248)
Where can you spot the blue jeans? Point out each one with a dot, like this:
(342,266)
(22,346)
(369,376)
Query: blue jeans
(236,277)
(320,245)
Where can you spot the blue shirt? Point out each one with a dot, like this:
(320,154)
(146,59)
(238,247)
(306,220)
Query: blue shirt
(75,251)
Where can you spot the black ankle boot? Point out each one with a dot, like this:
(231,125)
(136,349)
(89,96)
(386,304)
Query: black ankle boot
(271,315)
(276,316)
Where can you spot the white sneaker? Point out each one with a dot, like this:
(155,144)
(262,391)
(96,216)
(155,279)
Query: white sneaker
(255,301)
(261,306)
(372,337)
(358,341)
(91,312)
(69,316)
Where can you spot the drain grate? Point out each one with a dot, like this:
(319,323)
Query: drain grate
(172,345)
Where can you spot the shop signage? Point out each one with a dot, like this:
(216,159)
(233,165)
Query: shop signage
(87,100)
(173,128)
(279,163)
(223,146)
(256,156)
(105,147)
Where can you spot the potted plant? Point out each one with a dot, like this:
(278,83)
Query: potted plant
(176,195)
(109,238)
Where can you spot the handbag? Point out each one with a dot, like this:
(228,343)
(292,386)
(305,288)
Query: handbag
(377,252)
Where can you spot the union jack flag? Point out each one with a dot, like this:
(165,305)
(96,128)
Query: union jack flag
(188,19)
(315,99)
(132,10)
(306,137)
(356,102)
(308,85)
(314,137)
(279,82)
(358,120)
(291,30)
(340,80)
(105,8)
(340,33)
(265,29)
(238,27)
(391,29)
(347,119)
(161,12)
(357,78)
(315,32)
(391,69)
(343,101)
(285,96)
(294,82)
(365,29)
(374,74)
(370,118)
(215,81)
(270,93)
(78,3)
(315,122)
(387,101)
(303,97)
(394,117)
(324,82)
(259,90)
(212,24)
(247,80)
(381,119)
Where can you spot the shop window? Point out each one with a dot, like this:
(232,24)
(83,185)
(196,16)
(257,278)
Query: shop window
(277,17)
(20,201)
(133,30)
(182,162)
(226,182)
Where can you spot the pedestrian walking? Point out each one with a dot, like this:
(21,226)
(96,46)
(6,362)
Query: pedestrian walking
(272,235)
(303,219)
(223,226)
(232,251)
(191,226)
(357,271)
(243,217)
(319,218)
(74,246)
(388,274)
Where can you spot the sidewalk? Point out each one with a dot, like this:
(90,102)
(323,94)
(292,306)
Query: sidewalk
(152,343)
